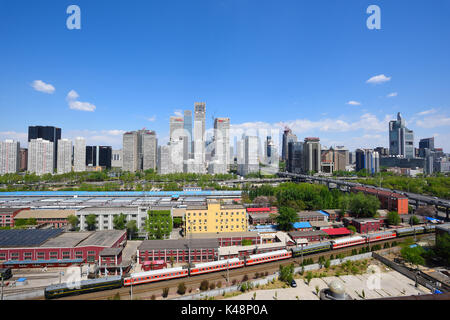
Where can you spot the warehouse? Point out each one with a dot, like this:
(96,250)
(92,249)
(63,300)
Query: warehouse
(26,247)
(231,238)
(49,217)
(7,216)
(311,236)
(312,216)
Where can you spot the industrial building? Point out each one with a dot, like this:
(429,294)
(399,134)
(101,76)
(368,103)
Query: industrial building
(53,247)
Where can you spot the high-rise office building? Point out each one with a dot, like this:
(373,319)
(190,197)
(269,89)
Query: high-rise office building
(427,143)
(295,157)
(48,133)
(91,156)
(130,151)
(251,164)
(288,136)
(79,155)
(149,149)
(164,161)
(188,128)
(176,128)
(9,156)
(336,158)
(199,136)
(104,156)
(40,156)
(221,145)
(312,154)
(64,156)
(139,150)
(401,139)
(367,159)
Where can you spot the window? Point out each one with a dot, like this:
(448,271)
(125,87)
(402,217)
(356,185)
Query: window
(27,256)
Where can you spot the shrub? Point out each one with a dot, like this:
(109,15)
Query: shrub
(219,284)
(212,286)
(266,273)
(234,282)
(204,285)
(181,288)
(256,275)
(153,297)
(165,292)
(245,278)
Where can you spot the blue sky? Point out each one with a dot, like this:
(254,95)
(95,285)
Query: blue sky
(262,63)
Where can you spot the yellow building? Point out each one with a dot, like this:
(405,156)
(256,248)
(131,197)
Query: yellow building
(215,217)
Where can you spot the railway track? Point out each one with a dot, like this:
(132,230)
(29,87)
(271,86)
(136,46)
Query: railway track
(147,290)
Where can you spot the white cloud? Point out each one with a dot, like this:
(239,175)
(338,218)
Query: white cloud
(378,79)
(393,94)
(430,111)
(82,106)
(72,95)
(433,122)
(22,137)
(178,113)
(78,105)
(41,86)
(152,119)
(354,103)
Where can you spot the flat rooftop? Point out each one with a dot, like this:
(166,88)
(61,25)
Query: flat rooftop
(26,237)
(215,235)
(102,238)
(45,213)
(66,240)
(182,244)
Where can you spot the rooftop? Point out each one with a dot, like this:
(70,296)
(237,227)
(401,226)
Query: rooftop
(26,238)
(66,240)
(102,238)
(183,244)
(223,235)
(296,234)
(336,231)
(45,213)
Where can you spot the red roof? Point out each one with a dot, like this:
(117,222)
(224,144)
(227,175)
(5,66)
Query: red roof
(258,209)
(337,231)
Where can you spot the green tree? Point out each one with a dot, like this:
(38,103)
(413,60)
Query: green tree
(287,273)
(362,205)
(414,220)
(286,217)
(351,228)
(413,255)
(393,218)
(119,221)
(73,221)
(91,221)
(131,228)
(442,247)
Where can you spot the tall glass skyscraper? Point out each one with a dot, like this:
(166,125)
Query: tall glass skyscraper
(401,139)
(48,133)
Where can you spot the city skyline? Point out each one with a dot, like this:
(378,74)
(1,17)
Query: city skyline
(296,66)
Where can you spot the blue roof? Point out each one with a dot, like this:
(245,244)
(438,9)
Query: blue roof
(324,213)
(13,262)
(21,280)
(301,225)
(122,193)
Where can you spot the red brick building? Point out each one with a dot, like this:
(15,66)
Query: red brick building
(7,216)
(53,217)
(364,225)
(262,216)
(389,200)
(311,236)
(182,250)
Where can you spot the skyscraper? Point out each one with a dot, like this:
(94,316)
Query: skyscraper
(40,156)
(312,155)
(251,164)
(295,158)
(221,145)
(367,159)
(130,152)
(199,136)
(427,143)
(188,128)
(9,156)
(149,150)
(401,139)
(64,156)
(176,128)
(79,155)
(288,136)
(48,133)
(139,150)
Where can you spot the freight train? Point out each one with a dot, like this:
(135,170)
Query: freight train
(64,289)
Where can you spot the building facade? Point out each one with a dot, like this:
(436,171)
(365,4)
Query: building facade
(79,155)
(48,133)
(9,156)
(40,156)
(401,139)
(64,156)
(216,218)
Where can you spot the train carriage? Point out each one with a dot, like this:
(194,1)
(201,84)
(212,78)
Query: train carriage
(84,286)
(268,257)
(155,275)
(430,228)
(217,266)
(348,242)
(409,231)
(379,236)
(311,248)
